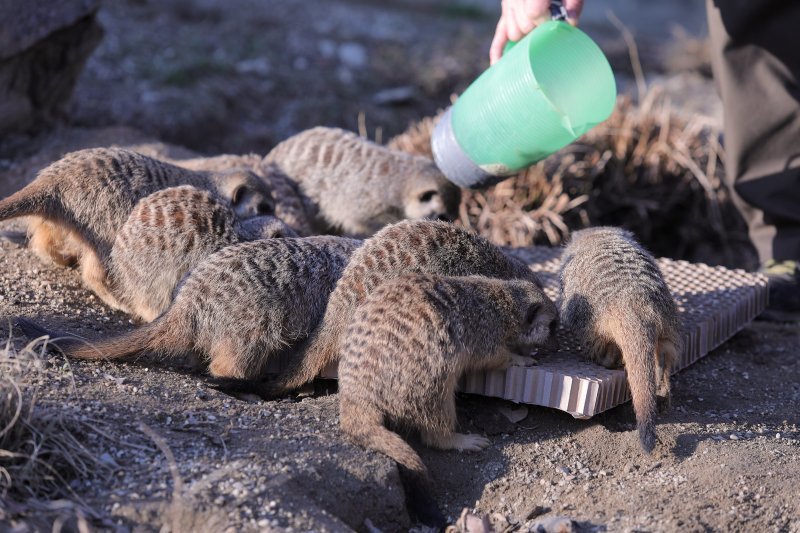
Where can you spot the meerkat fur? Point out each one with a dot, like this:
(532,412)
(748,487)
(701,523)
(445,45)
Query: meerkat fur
(242,306)
(80,202)
(408,344)
(290,205)
(355,186)
(615,300)
(419,246)
(166,235)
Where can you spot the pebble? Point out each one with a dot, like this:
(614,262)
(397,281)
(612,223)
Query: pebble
(353,55)
(395,96)
(554,524)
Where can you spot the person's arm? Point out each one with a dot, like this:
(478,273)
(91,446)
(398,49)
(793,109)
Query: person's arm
(519,17)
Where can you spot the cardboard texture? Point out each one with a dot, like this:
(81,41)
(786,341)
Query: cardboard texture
(714,303)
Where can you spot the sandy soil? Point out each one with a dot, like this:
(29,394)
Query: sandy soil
(242,77)
(727,458)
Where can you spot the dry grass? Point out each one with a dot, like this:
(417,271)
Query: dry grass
(646,168)
(41,446)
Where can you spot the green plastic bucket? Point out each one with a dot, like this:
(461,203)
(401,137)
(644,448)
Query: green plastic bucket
(545,92)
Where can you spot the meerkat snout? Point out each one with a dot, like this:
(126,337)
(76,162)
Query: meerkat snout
(433,198)
(538,326)
(246,193)
(249,203)
(265,227)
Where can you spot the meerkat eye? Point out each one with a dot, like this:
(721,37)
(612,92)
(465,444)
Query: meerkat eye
(530,315)
(427,196)
(265,207)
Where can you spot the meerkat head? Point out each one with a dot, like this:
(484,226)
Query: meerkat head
(248,195)
(429,195)
(538,317)
(264,227)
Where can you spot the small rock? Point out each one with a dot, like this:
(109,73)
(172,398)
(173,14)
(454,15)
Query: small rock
(353,55)
(554,524)
(258,65)
(471,523)
(108,460)
(395,96)
(533,512)
(327,48)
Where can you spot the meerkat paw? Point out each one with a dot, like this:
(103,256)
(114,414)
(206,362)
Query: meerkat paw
(462,442)
(521,360)
(469,442)
(606,354)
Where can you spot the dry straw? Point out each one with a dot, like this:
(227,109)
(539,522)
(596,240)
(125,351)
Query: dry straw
(42,447)
(646,168)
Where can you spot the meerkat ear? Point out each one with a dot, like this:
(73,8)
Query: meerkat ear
(530,314)
(238,195)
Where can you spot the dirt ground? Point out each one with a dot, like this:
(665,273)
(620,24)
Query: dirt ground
(240,78)
(727,458)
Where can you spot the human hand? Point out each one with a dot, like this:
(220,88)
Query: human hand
(519,17)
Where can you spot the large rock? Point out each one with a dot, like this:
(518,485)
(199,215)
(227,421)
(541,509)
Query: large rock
(43,47)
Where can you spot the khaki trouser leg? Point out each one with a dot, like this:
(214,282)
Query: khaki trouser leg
(756,63)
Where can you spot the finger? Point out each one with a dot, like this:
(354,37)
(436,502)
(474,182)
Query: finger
(498,42)
(574,9)
(538,10)
(524,17)
(512,29)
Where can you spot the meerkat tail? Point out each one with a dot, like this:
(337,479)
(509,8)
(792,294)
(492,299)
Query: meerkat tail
(366,428)
(27,201)
(32,330)
(668,354)
(153,337)
(638,352)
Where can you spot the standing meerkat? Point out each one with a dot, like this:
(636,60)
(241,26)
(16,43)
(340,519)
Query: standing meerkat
(81,201)
(615,299)
(166,235)
(428,247)
(235,311)
(407,345)
(289,205)
(356,186)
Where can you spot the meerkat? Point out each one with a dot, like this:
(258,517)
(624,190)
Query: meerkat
(289,204)
(244,305)
(428,247)
(166,235)
(615,300)
(356,187)
(80,202)
(407,345)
